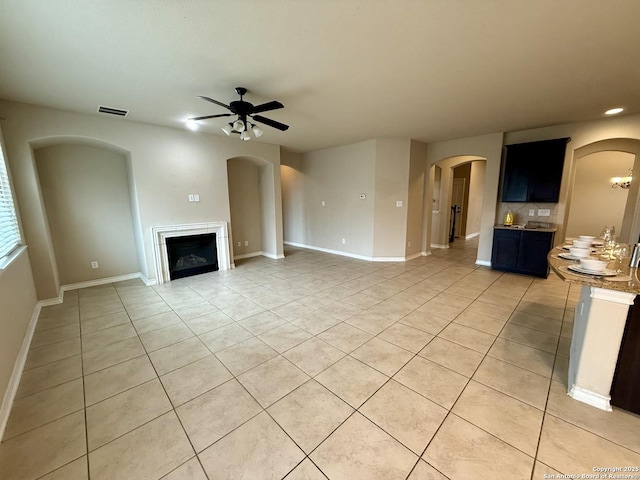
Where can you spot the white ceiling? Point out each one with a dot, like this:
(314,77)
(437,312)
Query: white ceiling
(346,70)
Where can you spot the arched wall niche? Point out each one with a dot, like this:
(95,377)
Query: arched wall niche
(253,206)
(87,191)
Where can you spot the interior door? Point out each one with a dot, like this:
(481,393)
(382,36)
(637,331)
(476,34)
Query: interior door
(457,200)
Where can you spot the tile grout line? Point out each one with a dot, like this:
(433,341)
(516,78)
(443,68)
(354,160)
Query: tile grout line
(350,353)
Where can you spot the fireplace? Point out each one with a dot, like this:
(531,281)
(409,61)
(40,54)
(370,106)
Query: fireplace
(163,235)
(191,255)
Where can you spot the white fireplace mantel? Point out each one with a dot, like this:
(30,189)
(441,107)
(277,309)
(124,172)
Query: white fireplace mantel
(160,235)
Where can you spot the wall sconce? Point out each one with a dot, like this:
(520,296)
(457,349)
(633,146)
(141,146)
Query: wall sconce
(622,182)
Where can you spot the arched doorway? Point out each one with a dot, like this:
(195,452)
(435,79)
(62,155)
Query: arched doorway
(458,190)
(592,202)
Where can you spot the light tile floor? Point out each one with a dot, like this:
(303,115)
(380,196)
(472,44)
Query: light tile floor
(311,367)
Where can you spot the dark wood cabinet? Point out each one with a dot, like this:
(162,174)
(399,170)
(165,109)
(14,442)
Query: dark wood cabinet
(533,171)
(625,391)
(521,251)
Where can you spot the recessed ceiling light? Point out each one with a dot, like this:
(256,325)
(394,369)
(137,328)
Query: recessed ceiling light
(614,111)
(192,124)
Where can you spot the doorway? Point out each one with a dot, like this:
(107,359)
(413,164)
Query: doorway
(592,201)
(458,198)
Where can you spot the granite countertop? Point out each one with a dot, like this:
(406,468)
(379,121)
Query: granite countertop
(627,281)
(537,229)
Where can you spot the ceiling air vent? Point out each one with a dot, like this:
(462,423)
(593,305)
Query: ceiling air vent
(113,111)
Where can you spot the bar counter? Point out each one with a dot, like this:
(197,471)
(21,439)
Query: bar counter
(600,318)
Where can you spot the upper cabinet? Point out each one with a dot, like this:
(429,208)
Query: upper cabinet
(533,171)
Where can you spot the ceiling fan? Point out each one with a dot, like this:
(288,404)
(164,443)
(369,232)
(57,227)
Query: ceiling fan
(245,112)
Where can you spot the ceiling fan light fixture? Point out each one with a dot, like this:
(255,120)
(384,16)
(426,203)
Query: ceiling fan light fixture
(244,113)
(257,131)
(238,126)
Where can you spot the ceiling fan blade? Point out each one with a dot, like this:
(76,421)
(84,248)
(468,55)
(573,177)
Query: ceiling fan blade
(211,116)
(214,101)
(271,123)
(265,107)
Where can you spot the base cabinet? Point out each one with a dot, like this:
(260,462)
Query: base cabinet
(521,251)
(625,391)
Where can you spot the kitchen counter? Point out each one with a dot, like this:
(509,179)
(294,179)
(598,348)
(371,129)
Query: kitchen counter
(536,229)
(599,323)
(627,281)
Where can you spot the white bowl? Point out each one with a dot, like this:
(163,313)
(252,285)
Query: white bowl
(580,252)
(581,244)
(593,264)
(587,238)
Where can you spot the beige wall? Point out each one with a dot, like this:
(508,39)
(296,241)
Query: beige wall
(293,197)
(86,197)
(476,192)
(594,203)
(385,171)
(336,176)
(415,202)
(392,159)
(18,300)
(167,165)
(246,209)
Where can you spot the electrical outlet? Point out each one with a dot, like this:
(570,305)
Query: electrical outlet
(532,212)
(246,243)
(409,243)
(239,244)
(544,212)
(344,241)
(94,264)
(399,203)
(322,203)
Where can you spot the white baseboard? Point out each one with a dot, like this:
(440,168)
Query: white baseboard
(148,282)
(426,253)
(100,281)
(472,235)
(328,250)
(18,366)
(412,256)
(247,255)
(484,263)
(274,256)
(591,398)
(354,255)
(439,245)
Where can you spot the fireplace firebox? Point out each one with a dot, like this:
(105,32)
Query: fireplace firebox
(191,255)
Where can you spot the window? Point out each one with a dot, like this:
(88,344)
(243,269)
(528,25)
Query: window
(9,231)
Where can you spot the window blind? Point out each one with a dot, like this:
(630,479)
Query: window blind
(9,231)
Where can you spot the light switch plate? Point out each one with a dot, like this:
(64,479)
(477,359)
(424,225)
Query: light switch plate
(532,212)
(196,197)
(544,212)
(191,199)
(399,203)
(323,204)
